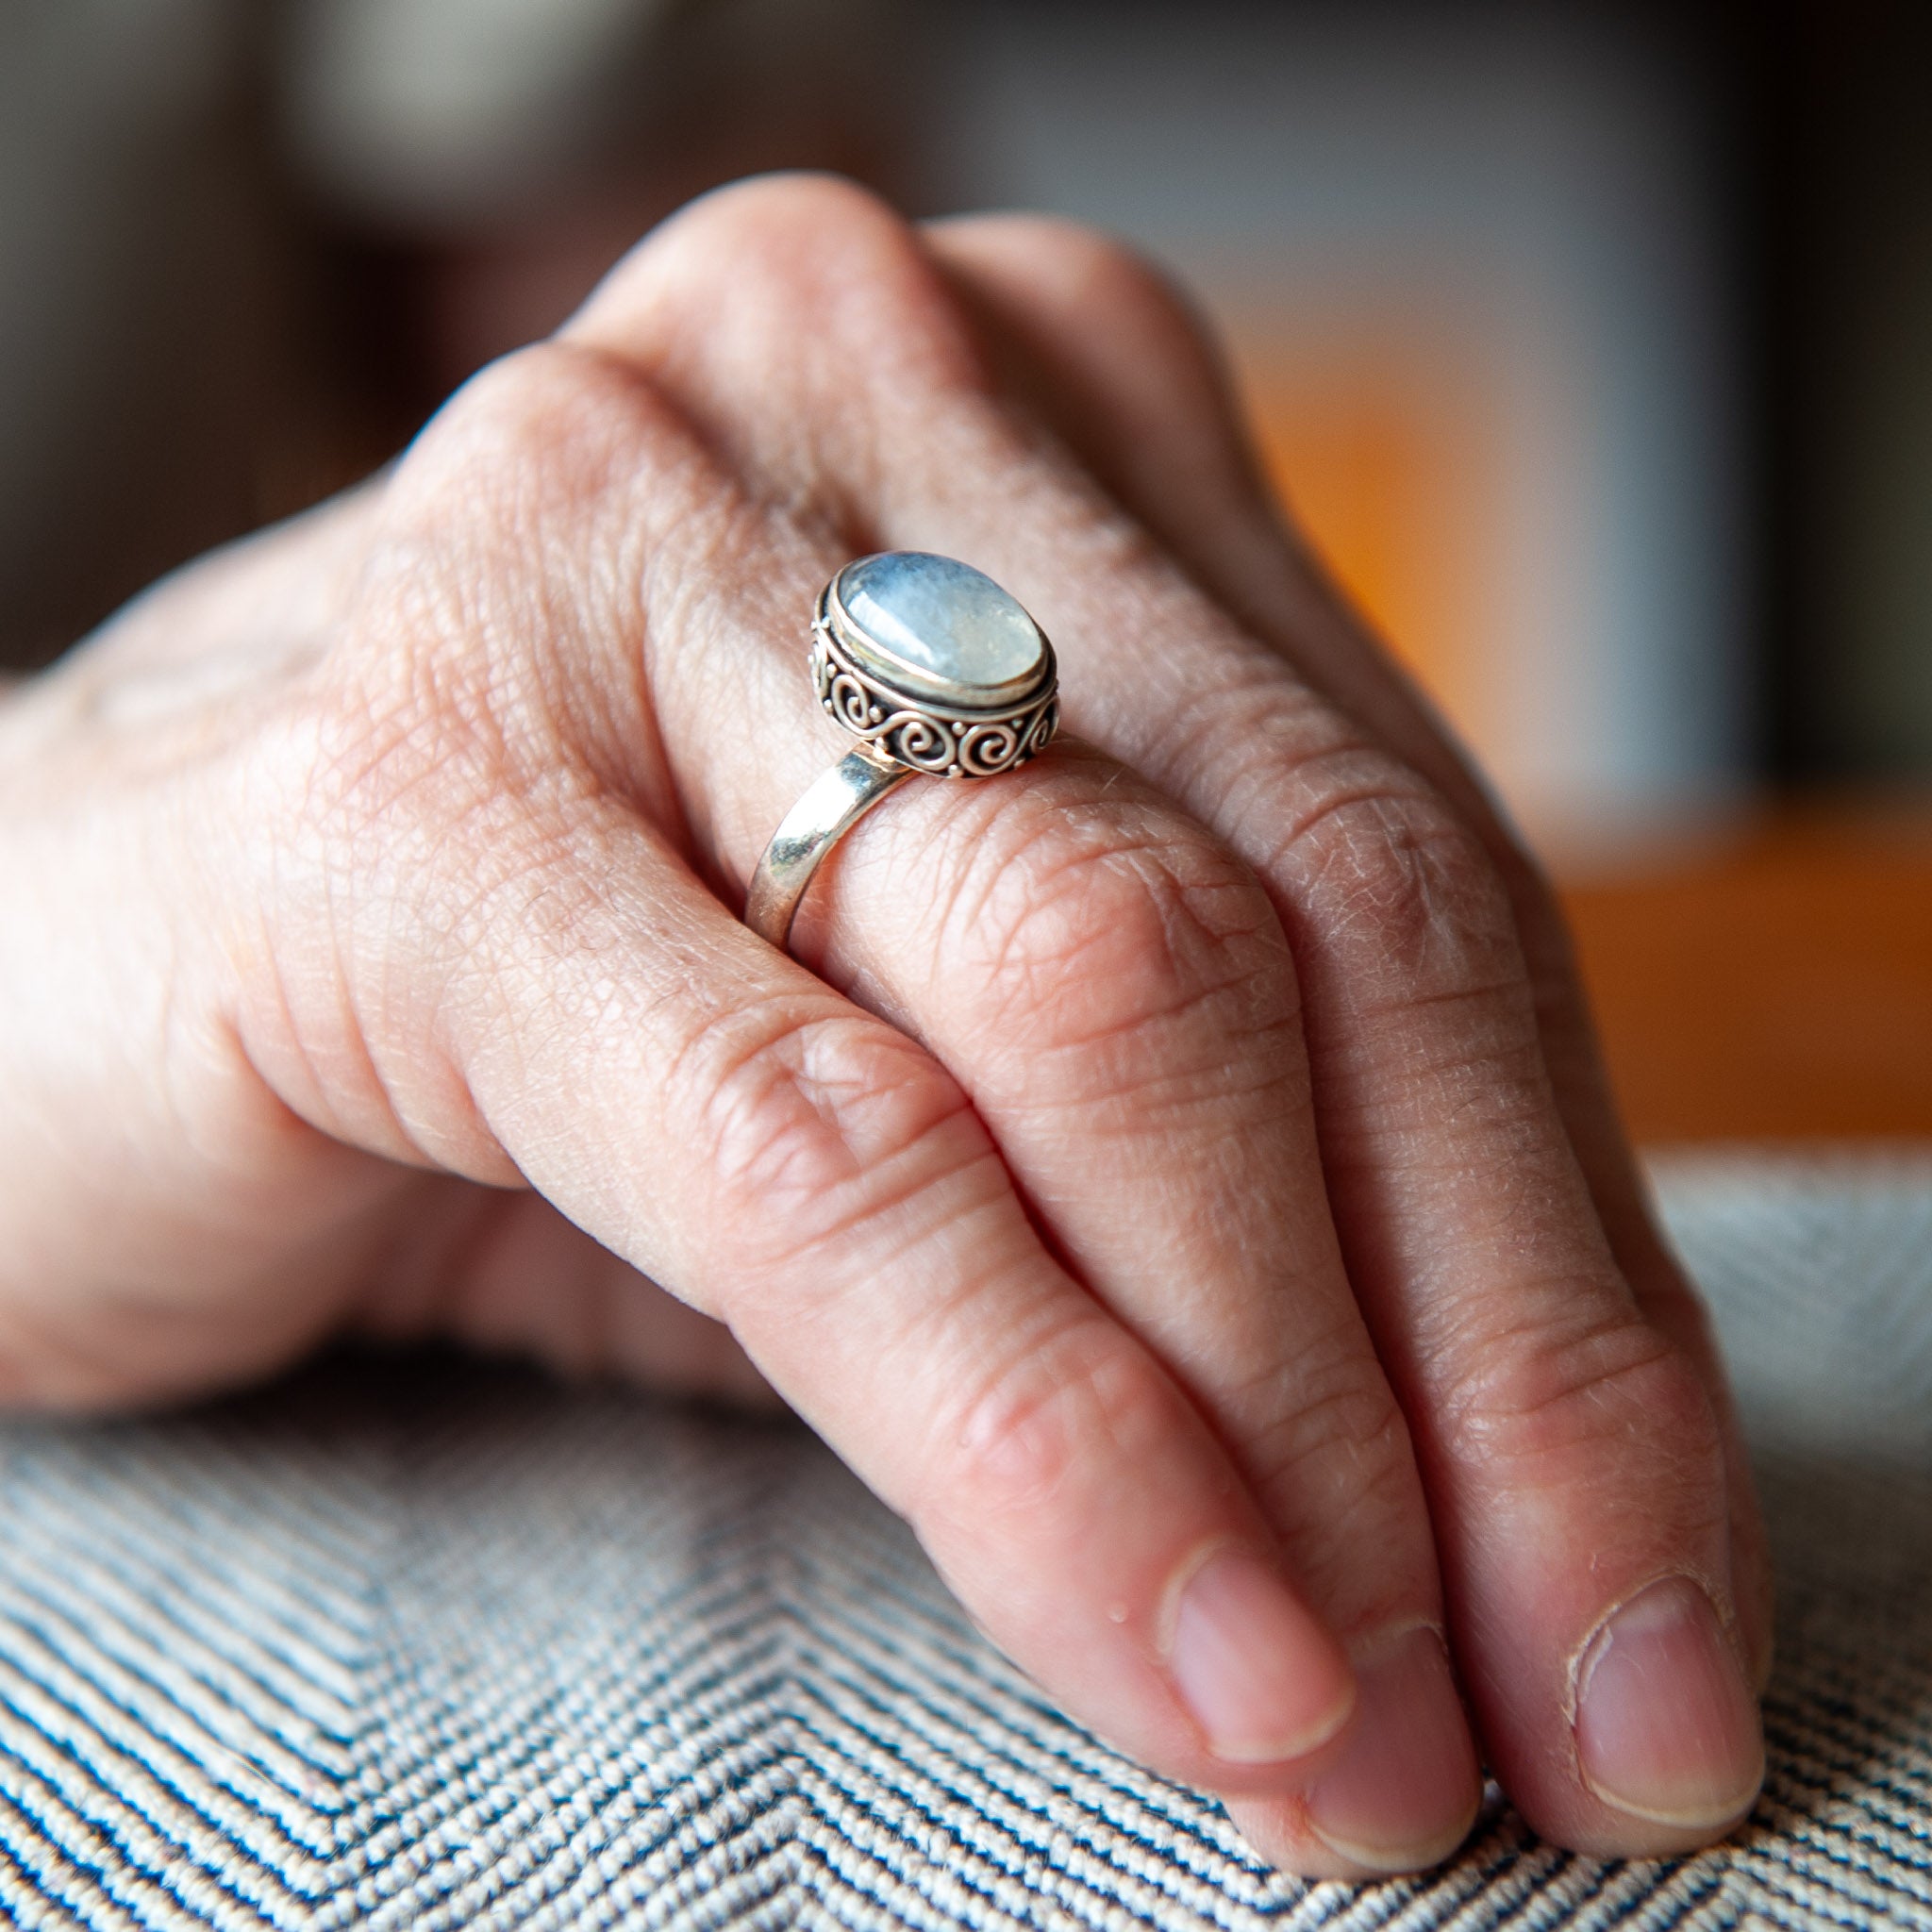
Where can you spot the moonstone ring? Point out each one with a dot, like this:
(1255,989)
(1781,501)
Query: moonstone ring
(933,668)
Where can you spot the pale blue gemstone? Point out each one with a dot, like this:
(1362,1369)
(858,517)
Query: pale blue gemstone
(944,621)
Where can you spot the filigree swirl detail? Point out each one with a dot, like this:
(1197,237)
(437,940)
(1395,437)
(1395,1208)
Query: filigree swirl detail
(952,742)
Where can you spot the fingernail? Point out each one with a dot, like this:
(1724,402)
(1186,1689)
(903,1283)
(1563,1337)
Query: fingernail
(1263,1679)
(1666,1725)
(1405,1788)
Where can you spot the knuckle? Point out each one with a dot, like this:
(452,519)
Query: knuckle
(1140,304)
(793,265)
(1126,303)
(1391,872)
(473,646)
(814,1123)
(1100,926)
(544,426)
(769,209)
(1121,280)
(1337,1445)
(1552,1406)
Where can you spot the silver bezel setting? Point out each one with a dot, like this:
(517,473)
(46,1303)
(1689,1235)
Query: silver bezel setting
(965,733)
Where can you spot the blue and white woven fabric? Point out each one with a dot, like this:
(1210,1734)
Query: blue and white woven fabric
(421,1645)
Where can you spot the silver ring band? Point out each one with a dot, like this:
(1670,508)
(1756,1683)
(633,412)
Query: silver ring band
(935,669)
(833,802)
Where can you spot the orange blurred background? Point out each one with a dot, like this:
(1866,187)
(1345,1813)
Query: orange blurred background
(1766,976)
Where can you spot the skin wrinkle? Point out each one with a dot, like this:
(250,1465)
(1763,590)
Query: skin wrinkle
(1485,1084)
(1127,909)
(1113,1101)
(1412,897)
(449,1130)
(568,454)
(495,825)
(945,1355)
(1347,1433)
(979,865)
(1199,731)
(807,1130)
(1337,1400)
(379,758)
(1540,1403)
(1534,1282)
(902,1215)
(616,748)
(1077,834)
(1326,795)
(1392,1117)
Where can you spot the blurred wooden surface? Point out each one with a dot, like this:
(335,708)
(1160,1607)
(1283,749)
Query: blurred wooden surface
(1775,981)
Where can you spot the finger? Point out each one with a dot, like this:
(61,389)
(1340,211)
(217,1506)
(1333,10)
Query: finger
(1206,499)
(502,1271)
(1111,356)
(1115,996)
(569,996)
(1573,1457)
(808,1164)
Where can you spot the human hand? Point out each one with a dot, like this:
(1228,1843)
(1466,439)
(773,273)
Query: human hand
(1177,1177)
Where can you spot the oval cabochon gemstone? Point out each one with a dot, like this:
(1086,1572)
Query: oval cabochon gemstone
(932,622)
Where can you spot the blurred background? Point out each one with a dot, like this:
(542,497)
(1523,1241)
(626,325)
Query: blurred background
(1592,344)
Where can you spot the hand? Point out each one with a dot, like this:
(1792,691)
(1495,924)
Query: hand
(1177,1177)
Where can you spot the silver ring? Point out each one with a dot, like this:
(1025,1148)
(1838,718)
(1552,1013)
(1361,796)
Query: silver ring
(934,669)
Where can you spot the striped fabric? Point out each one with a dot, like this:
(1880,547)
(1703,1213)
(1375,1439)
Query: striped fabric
(426,1645)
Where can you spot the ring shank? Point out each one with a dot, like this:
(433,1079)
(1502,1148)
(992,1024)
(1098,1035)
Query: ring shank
(831,805)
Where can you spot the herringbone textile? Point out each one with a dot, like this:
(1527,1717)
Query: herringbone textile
(426,1644)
